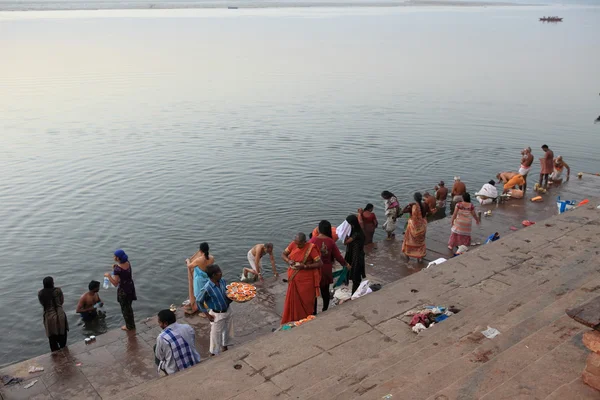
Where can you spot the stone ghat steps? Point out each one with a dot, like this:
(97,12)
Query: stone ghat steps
(364,349)
(454,355)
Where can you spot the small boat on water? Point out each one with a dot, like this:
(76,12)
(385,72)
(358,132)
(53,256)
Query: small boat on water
(232,8)
(551,19)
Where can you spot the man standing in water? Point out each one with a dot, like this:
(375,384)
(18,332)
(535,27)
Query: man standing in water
(255,255)
(526,161)
(441,193)
(88,300)
(458,190)
(547,164)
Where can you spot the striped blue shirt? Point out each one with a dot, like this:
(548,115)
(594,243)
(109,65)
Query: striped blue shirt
(215,297)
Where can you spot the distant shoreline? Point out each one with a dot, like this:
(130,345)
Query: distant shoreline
(62,5)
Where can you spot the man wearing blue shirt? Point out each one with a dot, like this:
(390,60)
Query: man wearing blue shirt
(218,313)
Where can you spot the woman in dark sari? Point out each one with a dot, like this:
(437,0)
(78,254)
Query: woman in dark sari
(355,252)
(122,278)
(55,319)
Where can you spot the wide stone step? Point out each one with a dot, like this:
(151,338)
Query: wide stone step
(574,390)
(430,352)
(485,367)
(540,379)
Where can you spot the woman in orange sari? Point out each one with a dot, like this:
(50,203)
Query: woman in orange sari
(416,229)
(304,278)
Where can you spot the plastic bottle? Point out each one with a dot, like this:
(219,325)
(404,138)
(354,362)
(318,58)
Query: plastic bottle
(106,283)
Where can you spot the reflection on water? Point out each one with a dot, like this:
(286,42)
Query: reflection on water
(157,132)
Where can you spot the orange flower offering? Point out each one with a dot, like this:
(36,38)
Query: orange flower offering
(241,292)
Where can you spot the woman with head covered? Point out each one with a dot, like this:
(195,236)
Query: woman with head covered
(122,278)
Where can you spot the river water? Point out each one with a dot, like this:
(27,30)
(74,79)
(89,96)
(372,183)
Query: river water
(155,130)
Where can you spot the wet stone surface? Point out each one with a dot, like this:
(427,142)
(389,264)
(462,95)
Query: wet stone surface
(121,364)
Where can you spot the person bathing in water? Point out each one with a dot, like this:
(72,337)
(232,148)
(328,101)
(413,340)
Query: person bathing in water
(392,213)
(197,277)
(255,256)
(86,306)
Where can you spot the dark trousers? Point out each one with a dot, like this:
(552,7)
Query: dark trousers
(542,178)
(57,342)
(127,312)
(326,297)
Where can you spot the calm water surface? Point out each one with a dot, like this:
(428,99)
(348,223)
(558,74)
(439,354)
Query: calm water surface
(155,130)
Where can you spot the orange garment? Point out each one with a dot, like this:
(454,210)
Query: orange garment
(303,284)
(416,231)
(334,235)
(514,181)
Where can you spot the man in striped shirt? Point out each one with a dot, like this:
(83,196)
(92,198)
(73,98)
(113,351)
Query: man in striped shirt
(175,348)
(218,313)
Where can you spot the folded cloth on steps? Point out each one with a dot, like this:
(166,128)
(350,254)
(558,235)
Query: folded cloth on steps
(419,319)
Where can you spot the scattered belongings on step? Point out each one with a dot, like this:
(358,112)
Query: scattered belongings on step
(537,198)
(426,317)
(30,384)
(461,250)
(488,213)
(580,174)
(293,324)
(564,205)
(538,188)
(375,286)
(436,262)
(583,202)
(514,228)
(362,290)
(527,223)
(492,238)
(8,380)
(490,332)
(33,369)
(341,295)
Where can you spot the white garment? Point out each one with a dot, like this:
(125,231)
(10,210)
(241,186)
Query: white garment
(390,224)
(221,331)
(524,170)
(343,230)
(362,290)
(487,194)
(252,260)
(556,175)
(163,350)
(488,190)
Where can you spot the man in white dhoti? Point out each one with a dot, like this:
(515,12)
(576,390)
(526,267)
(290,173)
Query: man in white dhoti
(255,256)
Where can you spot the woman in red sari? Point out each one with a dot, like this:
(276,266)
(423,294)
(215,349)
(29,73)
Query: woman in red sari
(416,229)
(368,221)
(329,254)
(304,278)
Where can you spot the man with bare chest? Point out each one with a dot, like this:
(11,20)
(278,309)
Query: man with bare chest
(87,303)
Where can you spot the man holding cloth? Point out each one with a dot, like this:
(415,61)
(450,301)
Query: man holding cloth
(175,348)
(220,317)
